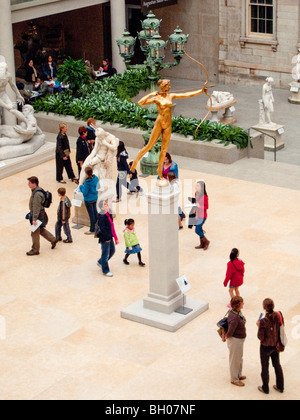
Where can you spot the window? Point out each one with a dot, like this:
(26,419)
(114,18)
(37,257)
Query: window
(261,17)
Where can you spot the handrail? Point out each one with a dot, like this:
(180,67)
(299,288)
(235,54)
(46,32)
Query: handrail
(266,134)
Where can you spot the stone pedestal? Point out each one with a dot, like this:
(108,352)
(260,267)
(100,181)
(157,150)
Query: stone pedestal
(228,117)
(24,149)
(81,216)
(294,93)
(157,309)
(274,130)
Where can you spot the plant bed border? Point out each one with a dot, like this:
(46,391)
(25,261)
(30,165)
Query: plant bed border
(179,145)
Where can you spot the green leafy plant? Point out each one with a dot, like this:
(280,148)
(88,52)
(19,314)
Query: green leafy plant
(73,73)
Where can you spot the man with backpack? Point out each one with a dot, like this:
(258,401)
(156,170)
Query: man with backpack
(39,200)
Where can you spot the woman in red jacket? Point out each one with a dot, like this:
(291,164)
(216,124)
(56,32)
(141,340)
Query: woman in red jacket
(235,274)
(201,213)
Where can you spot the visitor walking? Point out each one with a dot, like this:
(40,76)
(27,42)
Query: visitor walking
(63,217)
(38,214)
(235,337)
(90,190)
(62,155)
(107,237)
(82,148)
(132,242)
(134,185)
(202,204)
(123,170)
(269,336)
(235,273)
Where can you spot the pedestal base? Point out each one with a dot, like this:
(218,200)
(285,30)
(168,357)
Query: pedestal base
(24,149)
(274,130)
(172,322)
(294,93)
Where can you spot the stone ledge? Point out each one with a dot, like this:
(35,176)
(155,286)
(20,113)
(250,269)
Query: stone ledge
(20,164)
(179,145)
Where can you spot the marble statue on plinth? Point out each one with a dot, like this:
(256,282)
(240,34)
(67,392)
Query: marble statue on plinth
(25,138)
(220,98)
(267,102)
(101,158)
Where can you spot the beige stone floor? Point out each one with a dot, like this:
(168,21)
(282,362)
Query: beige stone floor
(65,338)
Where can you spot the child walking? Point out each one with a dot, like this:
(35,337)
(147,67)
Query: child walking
(63,216)
(132,242)
(235,274)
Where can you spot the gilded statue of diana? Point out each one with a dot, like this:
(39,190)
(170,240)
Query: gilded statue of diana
(163,124)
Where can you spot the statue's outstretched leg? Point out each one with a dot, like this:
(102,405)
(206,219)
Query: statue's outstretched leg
(156,133)
(166,137)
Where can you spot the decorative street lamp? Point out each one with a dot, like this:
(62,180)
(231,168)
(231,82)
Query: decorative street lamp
(154,48)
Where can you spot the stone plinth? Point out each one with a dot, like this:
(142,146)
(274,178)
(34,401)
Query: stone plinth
(24,149)
(294,93)
(228,117)
(274,130)
(158,308)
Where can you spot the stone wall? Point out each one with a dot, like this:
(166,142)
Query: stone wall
(200,19)
(243,61)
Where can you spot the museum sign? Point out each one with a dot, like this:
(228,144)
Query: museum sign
(148,5)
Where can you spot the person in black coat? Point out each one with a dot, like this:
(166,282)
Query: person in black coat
(107,237)
(63,155)
(123,170)
(82,148)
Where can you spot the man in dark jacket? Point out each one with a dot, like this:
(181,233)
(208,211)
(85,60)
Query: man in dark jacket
(63,152)
(82,148)
(37,213)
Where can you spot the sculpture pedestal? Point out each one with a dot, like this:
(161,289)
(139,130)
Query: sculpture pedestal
(158,308)
(274,130)
(294,93)
(24,149)
(228,117)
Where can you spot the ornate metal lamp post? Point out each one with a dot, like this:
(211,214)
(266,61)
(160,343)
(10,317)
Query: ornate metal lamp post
(154,48)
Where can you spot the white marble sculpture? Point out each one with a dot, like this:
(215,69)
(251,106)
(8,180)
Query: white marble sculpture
(23,138)
(101,158)
(220,98)
(268,102)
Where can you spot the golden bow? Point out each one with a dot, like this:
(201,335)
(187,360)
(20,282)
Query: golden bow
(205,87)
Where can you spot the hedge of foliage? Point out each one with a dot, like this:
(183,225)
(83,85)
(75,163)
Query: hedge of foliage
(110,101)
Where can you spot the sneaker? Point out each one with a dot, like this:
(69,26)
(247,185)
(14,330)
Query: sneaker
(67,241)
(109,274)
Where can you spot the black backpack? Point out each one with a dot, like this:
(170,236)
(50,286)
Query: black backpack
(48,198)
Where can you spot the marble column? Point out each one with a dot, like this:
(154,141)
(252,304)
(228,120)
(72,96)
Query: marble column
(7,49)
(157,309)
(118,24)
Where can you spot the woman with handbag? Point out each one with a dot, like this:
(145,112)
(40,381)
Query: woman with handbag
(235,337)
(269,336)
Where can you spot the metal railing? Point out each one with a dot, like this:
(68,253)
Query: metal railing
(265,134)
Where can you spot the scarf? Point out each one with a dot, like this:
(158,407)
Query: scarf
(112,227)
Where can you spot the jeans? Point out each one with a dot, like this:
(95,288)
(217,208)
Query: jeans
(91,207)
(108,251)
(122,181)
(199,228)
(265,354)
(66,226)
